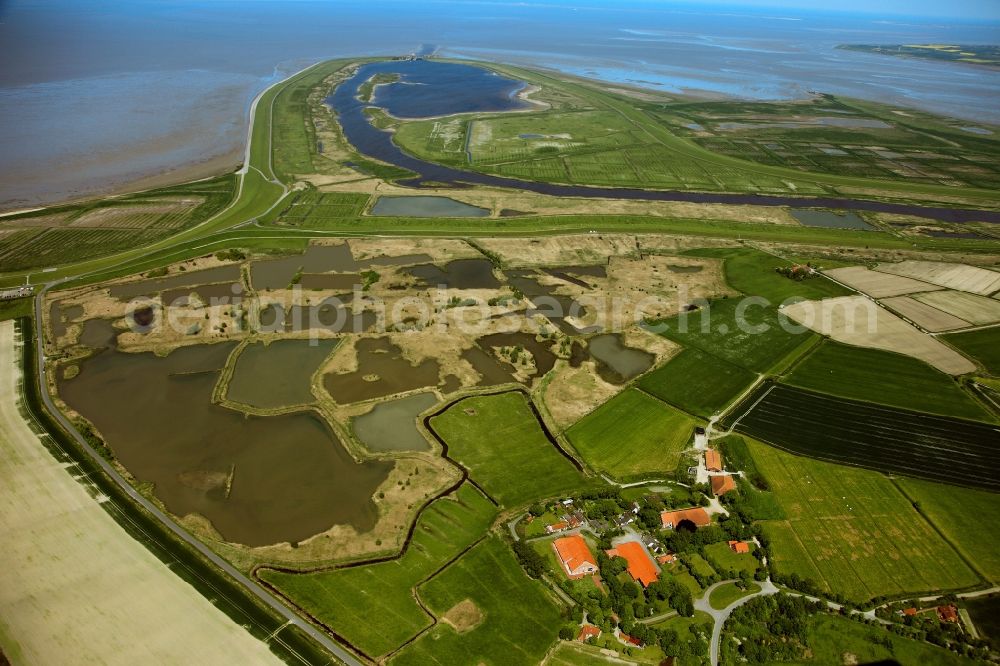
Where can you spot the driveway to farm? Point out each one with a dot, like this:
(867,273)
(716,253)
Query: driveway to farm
(719,617)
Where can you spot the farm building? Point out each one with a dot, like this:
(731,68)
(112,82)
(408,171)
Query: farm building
(697,516)
(575,556)
(557,527)
(588,631)
(947,613)
(739,547)
(722,484)
(640,565)
(713,460)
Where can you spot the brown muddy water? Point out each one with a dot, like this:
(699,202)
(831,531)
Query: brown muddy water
(278,374)
(278,273)
(315,264)
(617,363)
(324,316)
(491,371)
(60,316)
(259,480)
(338,281)
(98,334)
(392,425)
(553,306)
(457,274)
(382,370)
(545,359)
(209,294)
(188,279)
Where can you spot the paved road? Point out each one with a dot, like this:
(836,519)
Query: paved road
(720,616)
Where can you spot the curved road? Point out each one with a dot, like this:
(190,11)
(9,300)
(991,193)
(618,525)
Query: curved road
(719,617)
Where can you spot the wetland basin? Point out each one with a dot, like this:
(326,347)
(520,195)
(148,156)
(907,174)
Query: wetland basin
(417,206)
(59,317)
(335,316)
(259,480)
(382,371)
(830,219)
(545,358)
(189,279)
(392,425)
(457,274)
(278,273)
(98,334)
(279,374)
(616,363)
(210,294)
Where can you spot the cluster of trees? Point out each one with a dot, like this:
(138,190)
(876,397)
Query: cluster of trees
(534,564)
(232,254)
(797,272)
(769,628)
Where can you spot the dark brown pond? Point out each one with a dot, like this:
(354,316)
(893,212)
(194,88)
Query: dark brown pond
(492,371)
(458,274)
(323,316)
(60,316)
(340,281)
(551,305)
(98,334)
(278,273)
(278,374)
(130,290)
(382,371)
(545,359)
(209,294)
(259,480)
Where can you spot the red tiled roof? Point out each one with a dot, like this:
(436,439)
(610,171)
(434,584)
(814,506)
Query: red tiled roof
(666,559)
(557,527)
(696,515)
(640,566)
(588,631)
(574,553)
(947,613)
(713,460)
(739,546)
(722,484)
(909,611)
(632,640)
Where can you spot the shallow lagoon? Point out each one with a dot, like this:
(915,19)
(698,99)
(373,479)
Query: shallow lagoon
(277,374)
(426,89)
(403,206)
(259,480)
(392,425)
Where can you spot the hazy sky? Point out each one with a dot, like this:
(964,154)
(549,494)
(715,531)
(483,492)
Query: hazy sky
(966,9)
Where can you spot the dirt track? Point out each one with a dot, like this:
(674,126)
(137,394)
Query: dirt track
(74,587)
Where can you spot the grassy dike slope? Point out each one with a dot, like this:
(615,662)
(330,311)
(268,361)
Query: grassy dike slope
(66,557)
